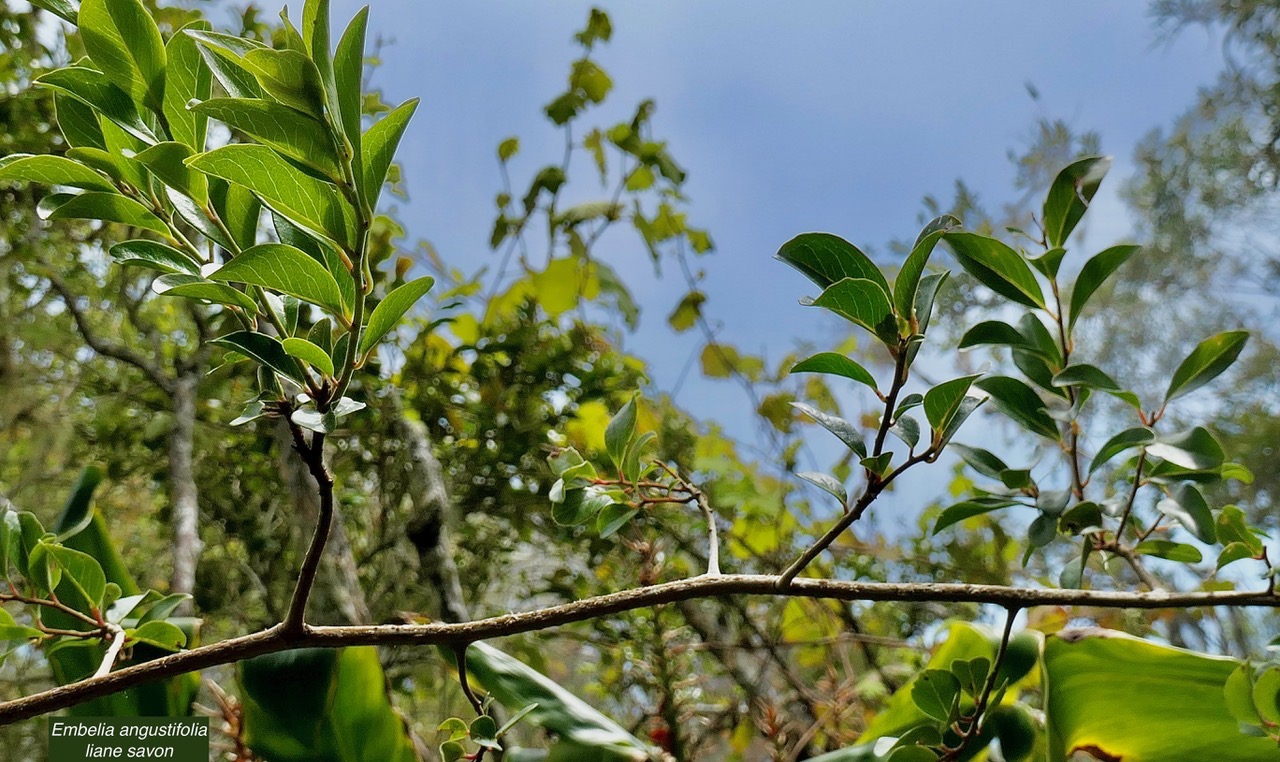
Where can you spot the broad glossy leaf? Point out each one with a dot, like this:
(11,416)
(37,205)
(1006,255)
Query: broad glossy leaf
(124,41)
(223,54)
(942,401)
(196,287)
(1094,273)
(96,90)
(83,571)
(78,122)
(1233,526)
(935,692)
(1098,681)
(109,207)
(266,350)
(579,505)
(1020,402)
(187,78)
(283,268)
(907,283)
(67,9)
(982,461)
(997,267)
(1238,694)
(163,635)
(348,75)
(614,517)
(1093,377)
(1189,508)
(1208,360)
(925,295)
(863,302)
(1266,694)
(167,161)
(312,203)
(954,514)
(967,406)
(1125,440)
(846,432)
(379,148)
(289,77)
(1170,551)
(10,630)
(620,431)
(907,429)
(52,170)
(1196,449)
(315,38)
(581,731)
(832,363)
(1080,517)
(390,310)
(828,484)
(1069,196)
(238,209)
(827,259)
(995,333)
(309,353)
(293,133)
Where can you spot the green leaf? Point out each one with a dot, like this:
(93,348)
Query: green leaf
(579,505)
(10,630)
(863,302)
(311,203)
(968,509)
(686,313)
(614,517)
(620,431)
(390,310)
(167,161)
(1238,694)
(348,74)
(835,364)
(285,269)
(907,283)
(997,267)
(266,350)
(165,635)
(1069,196)
(907,429)
(380,143)
(1043,530)
(1093,377)
(1170,551)
(942,401)
(1020,402)
(878,464)
(982,461)
(1266,694)
(1188,507)
(936,692)
(996,333)
(1127,439)
(289,77)
(1196,449)
(310,354)
(965,409)
(187,78)
(1094,273)
(293,133)
(1080,517)
(124,41)
(827,259)
(315,37)
(1209,359)
(239,210)
(84,572)
(96,90)
(42,570)
(195,287)
(67,9)
(828,484)
(846,432)
(109,207)
(223,53)
(78,122)
(580,731)
(52,170)
(591,79)
(508,148)
(1233,526)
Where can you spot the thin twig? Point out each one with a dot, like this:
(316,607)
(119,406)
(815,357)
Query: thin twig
(113,650)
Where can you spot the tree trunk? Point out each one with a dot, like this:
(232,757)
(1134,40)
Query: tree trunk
(183,497)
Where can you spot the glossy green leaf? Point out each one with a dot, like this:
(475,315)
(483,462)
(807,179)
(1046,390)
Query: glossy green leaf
(846,432)
(965,409)
(167,161)
(315,38)
(1206,362)
(266,350)
(1093,377)
(195,287)
(348,74)
(1170,551)
(620,431)
(379,148)
(84,573)
(580,505)
(1238,694)
(997,267)
(223,54)
(389,311)
(310,354)
(124,41)
(614,517)
(1266,694)
(163,635)
(864,303)
(1125,440)
(827,259)
(78,122)
(52,170)
(1098,681)
(1020,402)
(828,484)
(942,401)
(42,570)
(238,209)
(187,78)
(1196,449)
(1233,526)
(935,692)
(907,429)
(925,295)
(580,731)
(67,9)
(109,207)
(907,283)
(1069,196)
(10,630)
(995,333)
(312,203)
(1094,273)
(1188,507)
(285,269)
(1079,517)
(94,89)
(954,514)
(878,464)
(293,133)
(289,77)
(835,364)
(982,461)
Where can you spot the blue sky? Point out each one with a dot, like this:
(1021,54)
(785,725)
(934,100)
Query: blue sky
(835,116)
